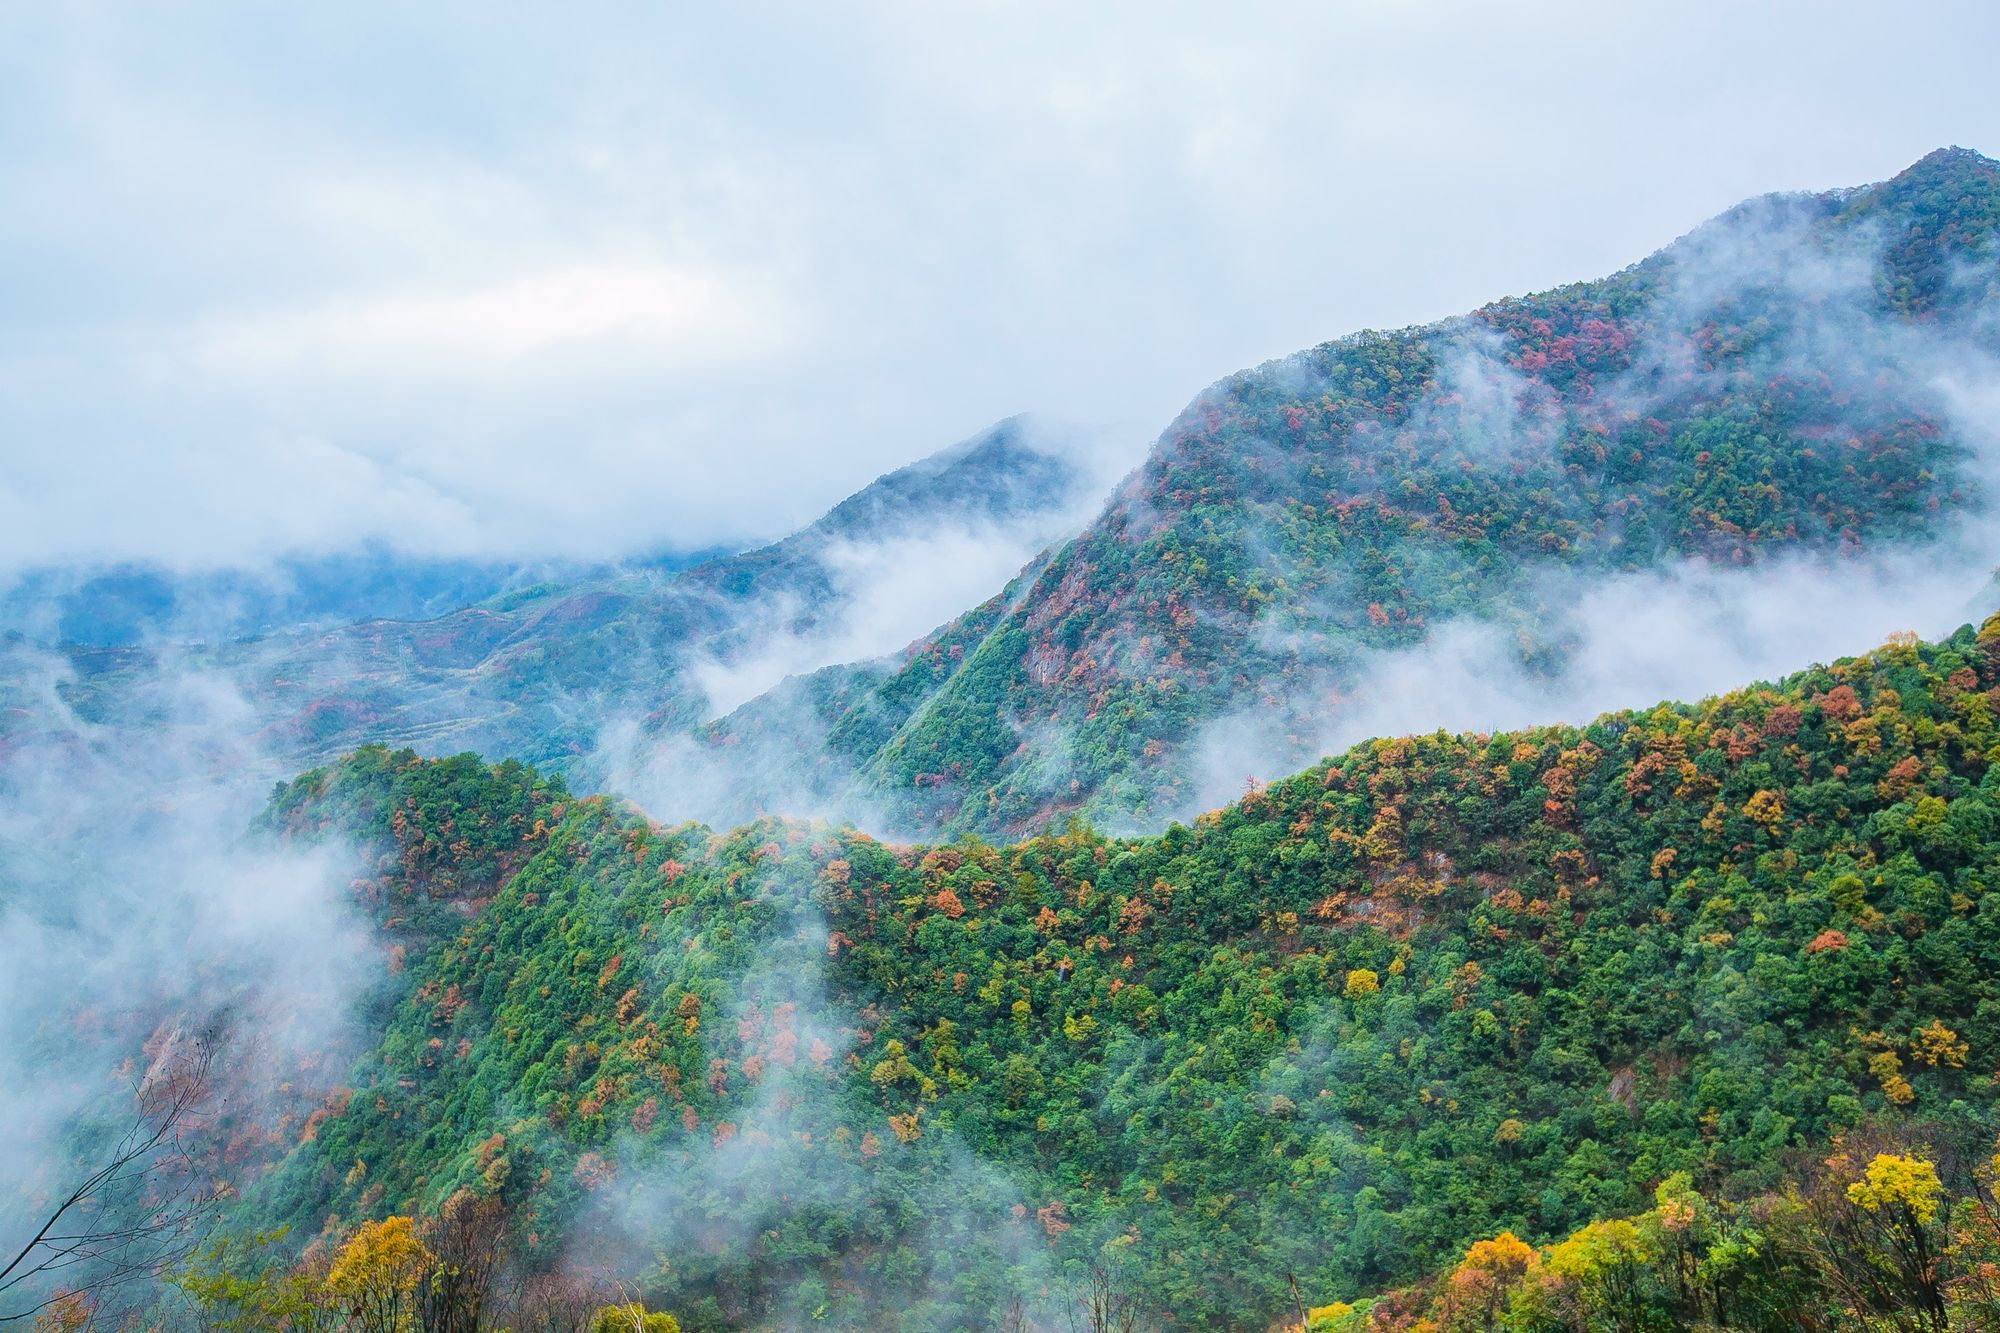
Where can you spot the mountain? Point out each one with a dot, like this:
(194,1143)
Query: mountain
(1433,988)
(1803,382)
(1457,1005)
(540,670)
(129,604)
(1331,545)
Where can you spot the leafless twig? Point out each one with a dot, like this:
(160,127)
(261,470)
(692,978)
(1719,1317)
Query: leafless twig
(141,1208)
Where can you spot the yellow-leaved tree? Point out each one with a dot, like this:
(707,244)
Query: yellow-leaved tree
(375,1276)
(1882,1239)
(632,1317)
(1477,1292)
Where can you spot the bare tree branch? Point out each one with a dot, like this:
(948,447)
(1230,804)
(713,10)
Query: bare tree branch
(143,1206)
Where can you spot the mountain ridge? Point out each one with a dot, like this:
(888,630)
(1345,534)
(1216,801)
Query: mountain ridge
(536,671)
(1690,396)
(1284,1040)
(1432,990)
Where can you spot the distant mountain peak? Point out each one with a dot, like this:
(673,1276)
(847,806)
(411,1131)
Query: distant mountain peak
(1943,169)
(1953,158)
(1754,388)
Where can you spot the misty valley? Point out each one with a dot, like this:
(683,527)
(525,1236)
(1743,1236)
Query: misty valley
(1486,825)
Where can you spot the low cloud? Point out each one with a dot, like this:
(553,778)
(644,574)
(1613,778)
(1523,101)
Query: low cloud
(812,1149)
(132,905)
(887,587)
(1628,641)
(887,594)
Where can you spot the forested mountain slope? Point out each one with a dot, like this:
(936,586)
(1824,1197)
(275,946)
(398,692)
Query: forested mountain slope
(129,604)
(539,671)
(1805,375)
(1431,988)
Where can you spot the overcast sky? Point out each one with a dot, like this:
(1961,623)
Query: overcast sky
(481,279)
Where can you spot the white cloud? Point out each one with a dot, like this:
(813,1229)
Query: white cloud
(1678,634)
(679,276)
(891,592)
(689,318)
(132,904)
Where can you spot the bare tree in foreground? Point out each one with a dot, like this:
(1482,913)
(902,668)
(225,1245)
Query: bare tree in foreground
(143,1207)
(466,1240)
(1104,1301)
(559,1302)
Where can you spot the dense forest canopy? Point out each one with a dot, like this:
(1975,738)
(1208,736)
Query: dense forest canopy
(1683,1016)
(1779,382)
(1430,990)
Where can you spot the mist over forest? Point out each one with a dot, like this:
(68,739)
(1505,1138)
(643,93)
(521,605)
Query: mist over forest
(1000,672)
